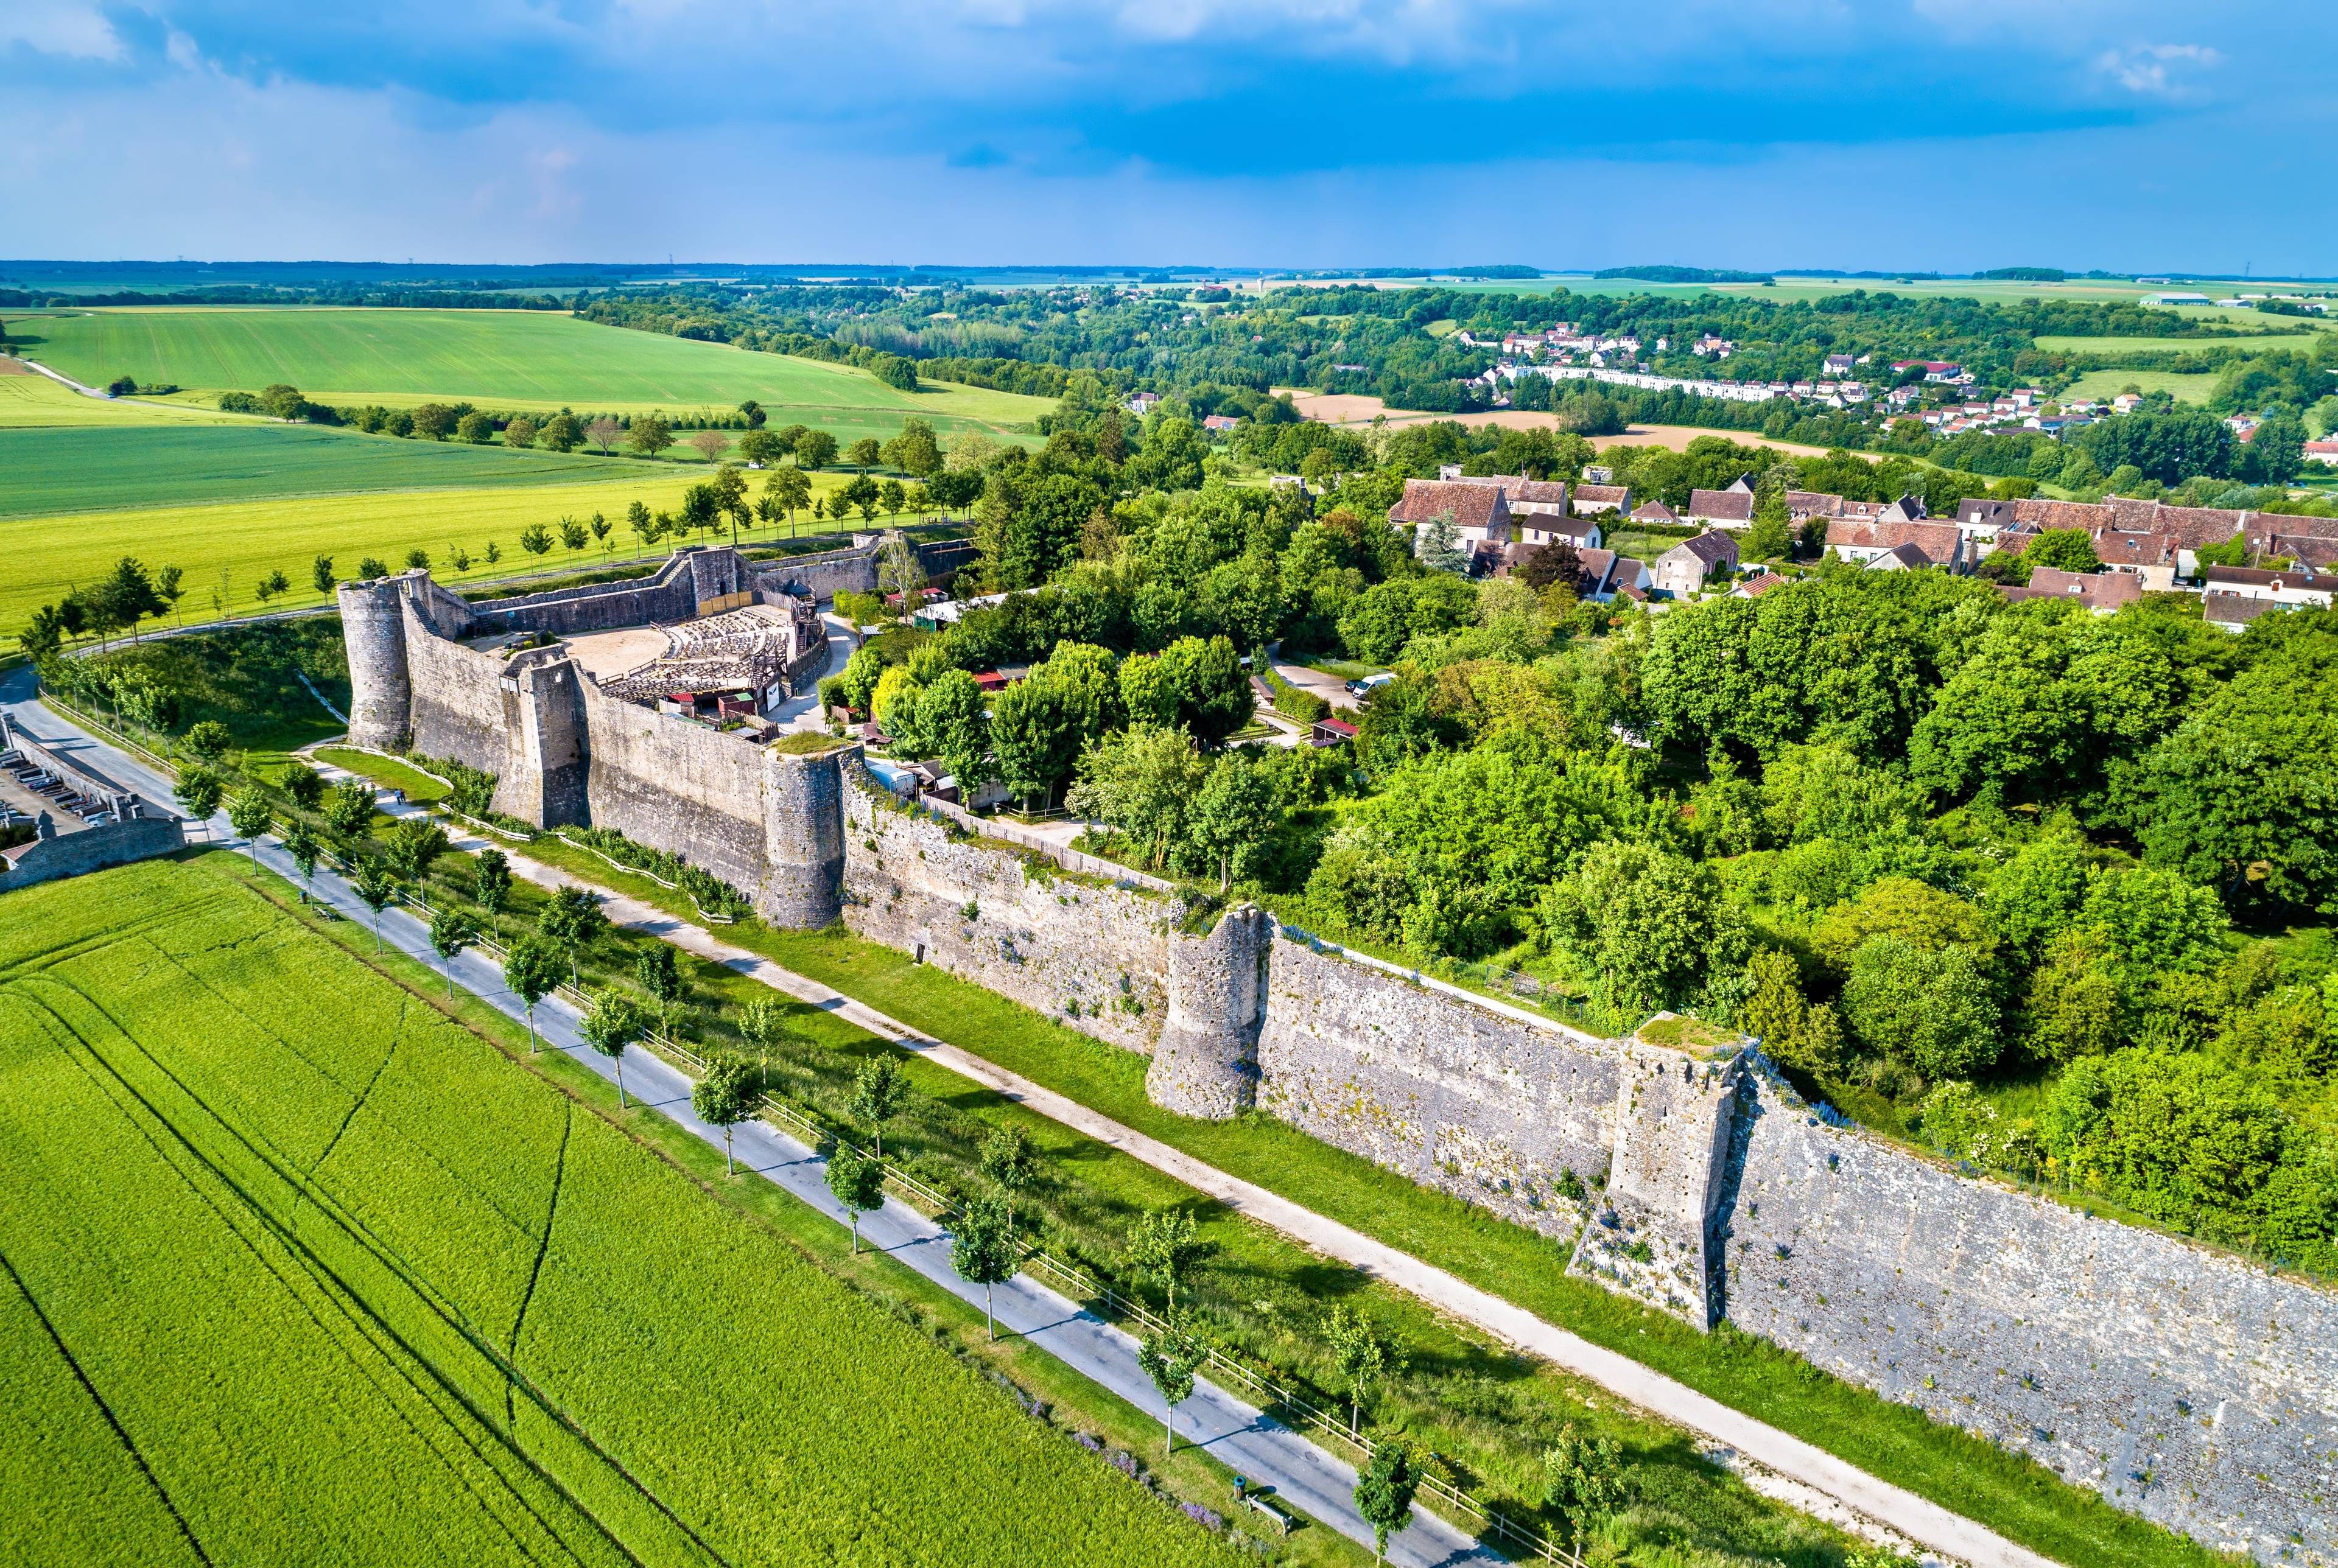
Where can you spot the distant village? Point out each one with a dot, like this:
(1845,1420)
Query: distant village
(2144,546)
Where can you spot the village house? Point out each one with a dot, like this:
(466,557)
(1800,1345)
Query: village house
(1480,514)
(1592,500)
(1688,565)
(1905,543)
(1756,586)
(2100,591)
(1606,575)
(2300,586)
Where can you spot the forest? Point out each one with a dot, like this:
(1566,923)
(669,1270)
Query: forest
(2029,885)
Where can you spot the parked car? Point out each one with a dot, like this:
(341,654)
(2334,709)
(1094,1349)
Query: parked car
(1364,686)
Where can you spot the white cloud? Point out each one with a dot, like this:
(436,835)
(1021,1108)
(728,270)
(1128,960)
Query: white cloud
(2163,70)
(65,27)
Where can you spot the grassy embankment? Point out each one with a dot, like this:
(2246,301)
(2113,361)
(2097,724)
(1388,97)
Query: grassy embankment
(308,1238)
(2009,1493)
(30,401)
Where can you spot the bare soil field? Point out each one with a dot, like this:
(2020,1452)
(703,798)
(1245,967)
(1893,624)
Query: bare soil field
(1355,408)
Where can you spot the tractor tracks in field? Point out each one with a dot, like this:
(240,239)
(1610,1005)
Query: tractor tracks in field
(120,1433)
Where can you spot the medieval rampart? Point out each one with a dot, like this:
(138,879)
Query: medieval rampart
(2179,1383)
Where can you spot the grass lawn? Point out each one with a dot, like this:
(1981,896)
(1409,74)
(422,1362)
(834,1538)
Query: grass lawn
(248,679)
(30,401)
(2106,384)
(312,1241)
(421,789)
(43,557)
(2256,343)
(2011,1495)
(1345,669)
(1473,1401)
(1489,1412)
(493,357)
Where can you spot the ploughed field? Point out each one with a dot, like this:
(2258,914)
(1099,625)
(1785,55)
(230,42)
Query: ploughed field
(296,1267)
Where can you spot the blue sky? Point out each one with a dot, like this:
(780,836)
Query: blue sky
(1944,134)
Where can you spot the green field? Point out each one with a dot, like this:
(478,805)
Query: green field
(299,1269)
(518,359)
(30,401)
(43,557)
(56,471)
(2256,344)
(2110,383)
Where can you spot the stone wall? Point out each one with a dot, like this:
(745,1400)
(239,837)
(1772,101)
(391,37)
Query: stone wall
(89,849)
(2181,1384)
(457,703)
(1095,958)
(1456,1097)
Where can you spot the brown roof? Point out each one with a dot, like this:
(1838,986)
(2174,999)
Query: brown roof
(1603,495)
(1710,548)
(1754,587)
(1723,506)
(2258,577)
(2192,527)
(2152,549)
(1653,511)
(1469,505)
(2036,512)
(2233,609)
(1517,487)
(1813,503)
(1596,564)
(2095,589)
(1940,541)
(2321,555)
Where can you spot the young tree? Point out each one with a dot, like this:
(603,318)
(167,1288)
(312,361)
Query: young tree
(349,808)
(878,1091)
(520,432)
(1583,1482)
(491,884)
(1006,1160)
(1170,1356)
(600,527)
(412,845)
(1359,1356)
(659,973)
(864,453)
(761,448)
(614,1021)
(199,791)
(536,539)
(891,497)
(982,1250)
(710,444)
(250,814)
(858,1184)
(532,970)
(320,573)
(571,533)
(171,584)
(451,931)
(561,433)
(764,1024)
(722,1098)
(1164,1248)
(815,449)
(790,487)
(301,843)
(646,527)
(377,889)
(1384,1493)
(605,432)
(573,919)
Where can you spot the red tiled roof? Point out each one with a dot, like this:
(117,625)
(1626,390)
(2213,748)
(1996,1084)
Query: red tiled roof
(1603,495)
(1940,542)
(1469,505)
(1654,512)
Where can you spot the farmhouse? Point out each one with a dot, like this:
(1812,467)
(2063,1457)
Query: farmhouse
(1688,565)
(1907,544)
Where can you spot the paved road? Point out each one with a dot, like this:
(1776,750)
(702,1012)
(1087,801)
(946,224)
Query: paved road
(1306,1476)
(1896,1508)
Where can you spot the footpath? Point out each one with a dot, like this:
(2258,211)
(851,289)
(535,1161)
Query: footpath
(1275,1458)
(1798,1473)
(1816,1480)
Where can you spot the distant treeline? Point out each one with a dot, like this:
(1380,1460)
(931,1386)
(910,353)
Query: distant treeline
(410,299)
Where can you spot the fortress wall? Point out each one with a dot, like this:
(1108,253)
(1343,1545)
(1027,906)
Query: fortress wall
(666,596)
(1456,1097)
(457,707)
(679,787)
(2181,1384)
(1049,942)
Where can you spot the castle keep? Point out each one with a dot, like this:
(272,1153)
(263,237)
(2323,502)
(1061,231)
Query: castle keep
(2178,1382)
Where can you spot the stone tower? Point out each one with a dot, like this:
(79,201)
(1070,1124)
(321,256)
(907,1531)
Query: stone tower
(803,838)
(382,693)
(1205,1062)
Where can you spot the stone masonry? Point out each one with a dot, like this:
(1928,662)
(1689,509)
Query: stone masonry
(2178,1383)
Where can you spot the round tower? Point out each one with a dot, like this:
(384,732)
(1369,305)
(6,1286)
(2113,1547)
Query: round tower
(1205,1062)
(382,693)
(803,838)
